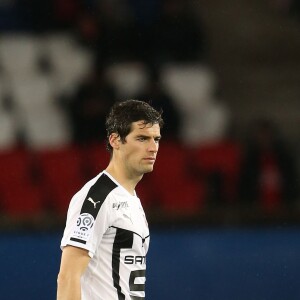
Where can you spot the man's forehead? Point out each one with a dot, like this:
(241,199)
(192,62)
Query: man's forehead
(143,126)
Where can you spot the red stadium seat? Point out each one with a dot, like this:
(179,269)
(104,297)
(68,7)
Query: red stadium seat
(178,190)
(95,158)
(23,202)
(61,175)
(147,193)
(220,158)
(19,196)
(16,168)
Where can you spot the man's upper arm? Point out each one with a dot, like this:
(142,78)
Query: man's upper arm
(74,261)
(73,264)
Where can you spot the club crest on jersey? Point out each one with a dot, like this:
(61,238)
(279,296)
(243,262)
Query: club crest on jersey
(84,225)
(119,205)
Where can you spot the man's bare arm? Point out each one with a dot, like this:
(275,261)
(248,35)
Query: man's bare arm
(73,264)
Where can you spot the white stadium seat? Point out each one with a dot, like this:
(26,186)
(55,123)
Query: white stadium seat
(129,79)
(19,54)
(189,85)
(69,61)
(193,89)
(42,120)
(209,125)
(8,132)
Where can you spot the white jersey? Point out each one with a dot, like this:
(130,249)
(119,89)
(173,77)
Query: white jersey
(109,222)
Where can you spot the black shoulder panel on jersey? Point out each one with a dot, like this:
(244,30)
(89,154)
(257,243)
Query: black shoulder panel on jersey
(97,194)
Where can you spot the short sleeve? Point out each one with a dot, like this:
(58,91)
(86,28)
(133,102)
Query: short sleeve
(89,216)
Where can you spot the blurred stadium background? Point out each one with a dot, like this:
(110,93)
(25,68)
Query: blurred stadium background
(223,201)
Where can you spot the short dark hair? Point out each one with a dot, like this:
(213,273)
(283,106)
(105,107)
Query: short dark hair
(123,114)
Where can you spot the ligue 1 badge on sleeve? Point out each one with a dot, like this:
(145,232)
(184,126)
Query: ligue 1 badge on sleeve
(83,227)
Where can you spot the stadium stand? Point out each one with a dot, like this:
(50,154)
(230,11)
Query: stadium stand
(193,88)
(61,175)
(8,132)
(21,197)
(219,164)
(172,170)
(59,166)
(40,117)
(95,158)
(19,54)
(129,79)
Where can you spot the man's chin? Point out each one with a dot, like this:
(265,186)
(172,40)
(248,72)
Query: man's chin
(148,170)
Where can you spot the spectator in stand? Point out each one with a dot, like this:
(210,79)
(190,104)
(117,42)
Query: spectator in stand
(45,16)
(109,31)
(268,173)
(89,107)
(295,9)
(176,35)
(286,7)
(118,31)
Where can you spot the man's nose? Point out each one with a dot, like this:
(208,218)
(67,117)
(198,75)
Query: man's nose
(153,146)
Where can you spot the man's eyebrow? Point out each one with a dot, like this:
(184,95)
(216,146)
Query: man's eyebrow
(148,136)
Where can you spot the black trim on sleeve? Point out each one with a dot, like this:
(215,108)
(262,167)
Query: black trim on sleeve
(78,240)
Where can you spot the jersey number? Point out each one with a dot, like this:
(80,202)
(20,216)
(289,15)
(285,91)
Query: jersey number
(137,287)
(124,240)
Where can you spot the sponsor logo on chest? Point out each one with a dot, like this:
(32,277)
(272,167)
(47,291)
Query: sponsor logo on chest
(120,205)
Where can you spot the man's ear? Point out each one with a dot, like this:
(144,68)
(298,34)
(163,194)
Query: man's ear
(114,140)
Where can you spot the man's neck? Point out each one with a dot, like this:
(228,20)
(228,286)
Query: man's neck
(128,182)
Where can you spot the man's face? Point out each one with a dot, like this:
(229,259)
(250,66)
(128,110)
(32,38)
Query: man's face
(140,149)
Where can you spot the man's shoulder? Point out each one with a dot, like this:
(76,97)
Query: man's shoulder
(98,189)
(93,194)
(100,186)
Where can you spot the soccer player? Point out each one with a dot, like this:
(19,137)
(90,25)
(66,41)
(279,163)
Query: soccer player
(106,237)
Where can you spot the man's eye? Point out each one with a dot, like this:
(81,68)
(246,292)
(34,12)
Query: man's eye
(141,139)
